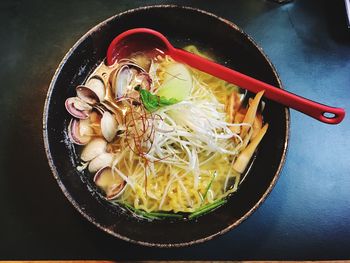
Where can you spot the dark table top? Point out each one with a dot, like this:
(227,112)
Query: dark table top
(307,215)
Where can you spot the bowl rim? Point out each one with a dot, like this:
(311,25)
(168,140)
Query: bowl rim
(71,199)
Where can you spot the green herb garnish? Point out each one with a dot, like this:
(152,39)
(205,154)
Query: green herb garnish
(152,215)
(208,187)
(153,102)
(161,214)
(207,208)
(140,212)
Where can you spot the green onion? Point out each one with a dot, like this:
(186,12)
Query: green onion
(161,214)
(201,196)
(151,215)
(140,212)
(207,208)
(208,187)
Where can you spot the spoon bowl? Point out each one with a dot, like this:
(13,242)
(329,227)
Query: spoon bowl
(136,40)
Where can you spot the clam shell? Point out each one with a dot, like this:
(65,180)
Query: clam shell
(121,81)
(126,78)
(111,184)
(103,160)
(109,126)
(87,95)
(77,107)
(97,86)
(94,148)
(77,132)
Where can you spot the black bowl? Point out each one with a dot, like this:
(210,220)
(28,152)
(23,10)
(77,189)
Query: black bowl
(182,26)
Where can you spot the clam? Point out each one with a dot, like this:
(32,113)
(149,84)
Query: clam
(87,95)
(79,131)
(109,126)
(77,107)
(111,184)
(126,78)
(121,81)
(95,93)
(102,160)
(93,149)
(92,92)
(97,86)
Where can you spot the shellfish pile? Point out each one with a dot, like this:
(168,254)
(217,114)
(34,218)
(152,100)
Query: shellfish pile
(98,117)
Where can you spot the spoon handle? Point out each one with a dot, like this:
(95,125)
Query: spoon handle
(321,112)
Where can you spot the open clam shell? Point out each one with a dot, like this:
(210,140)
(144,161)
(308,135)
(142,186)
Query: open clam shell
(124,79)
(92,92)
(78,131)
(97,86)
(110,183)
(87,95)
(94,148)
(120,80)
(109,126)
(77,107)
(102,160)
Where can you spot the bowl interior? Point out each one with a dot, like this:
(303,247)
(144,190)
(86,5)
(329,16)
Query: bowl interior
(182,26)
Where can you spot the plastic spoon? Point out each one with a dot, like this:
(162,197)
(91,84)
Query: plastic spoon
(145,39)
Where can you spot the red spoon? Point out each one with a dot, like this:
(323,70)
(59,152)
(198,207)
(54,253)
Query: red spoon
(144,39)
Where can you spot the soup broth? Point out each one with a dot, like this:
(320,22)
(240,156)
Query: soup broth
(163,139)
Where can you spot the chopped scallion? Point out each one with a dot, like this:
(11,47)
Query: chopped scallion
(207,208)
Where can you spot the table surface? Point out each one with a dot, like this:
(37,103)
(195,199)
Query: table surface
(307,215)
